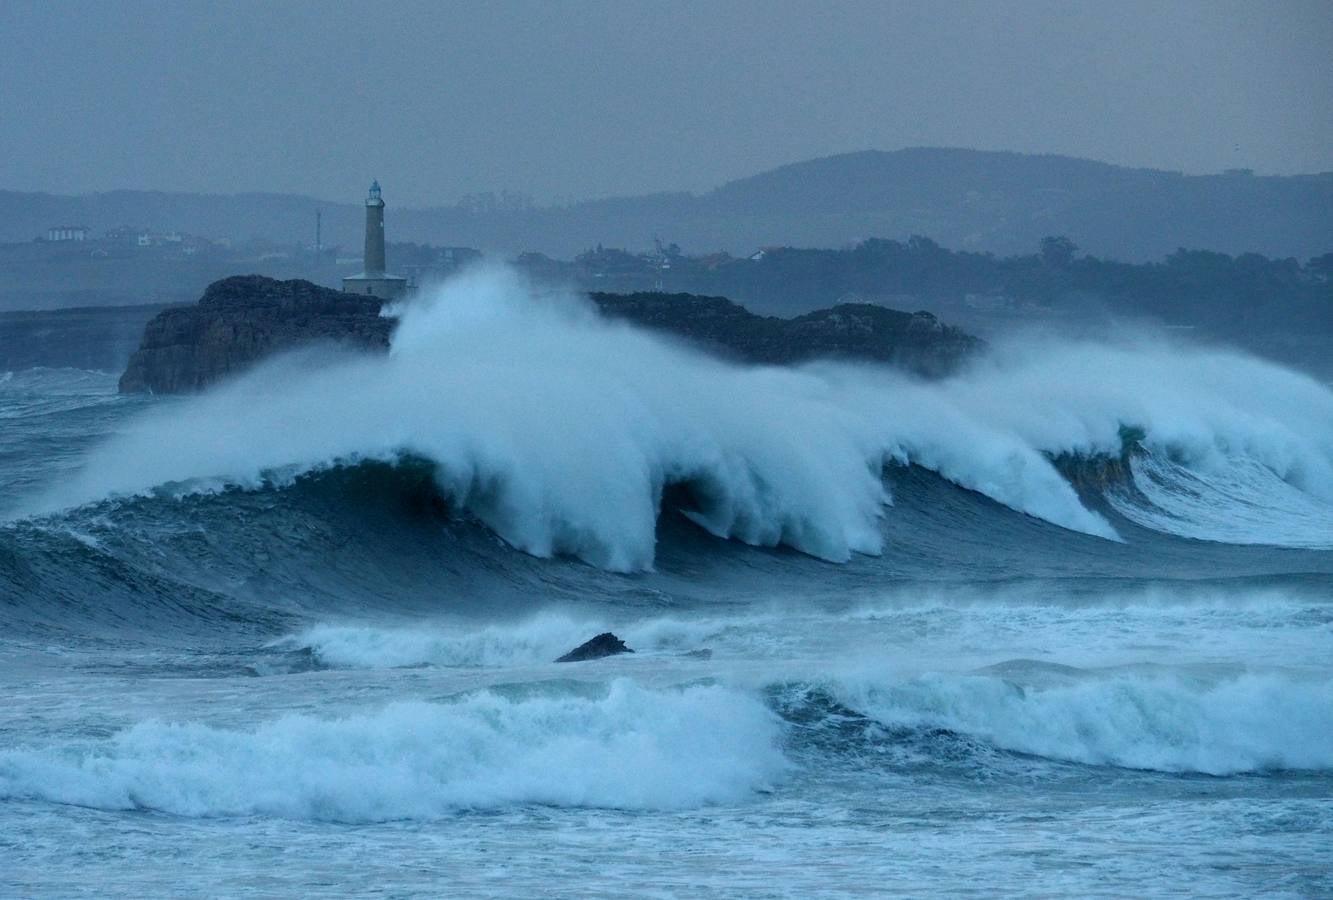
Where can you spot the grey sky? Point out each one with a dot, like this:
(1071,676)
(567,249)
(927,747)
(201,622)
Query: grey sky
(593,99)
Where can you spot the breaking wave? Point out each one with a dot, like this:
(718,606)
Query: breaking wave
(624,746)
(618,746)
(563,433)
(1160,721)
(1188,719)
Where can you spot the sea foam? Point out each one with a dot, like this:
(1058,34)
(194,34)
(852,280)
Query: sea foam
(618,746)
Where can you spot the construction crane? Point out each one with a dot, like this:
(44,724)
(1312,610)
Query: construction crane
(661,262)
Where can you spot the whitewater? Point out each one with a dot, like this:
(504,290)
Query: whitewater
(1059,623)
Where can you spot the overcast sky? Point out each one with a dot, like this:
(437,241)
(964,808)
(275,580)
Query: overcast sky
(577,100)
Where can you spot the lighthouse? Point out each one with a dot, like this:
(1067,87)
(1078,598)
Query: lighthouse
(374,230)
(373,280)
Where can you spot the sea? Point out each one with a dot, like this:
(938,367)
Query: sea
(1060,624)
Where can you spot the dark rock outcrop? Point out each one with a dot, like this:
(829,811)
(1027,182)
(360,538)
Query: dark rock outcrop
(915,341)
(605,644)
(242,320)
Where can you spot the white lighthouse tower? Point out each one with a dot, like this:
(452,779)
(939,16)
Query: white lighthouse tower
(373,281)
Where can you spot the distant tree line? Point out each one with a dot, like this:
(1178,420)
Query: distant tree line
(1198,287)
(921,267)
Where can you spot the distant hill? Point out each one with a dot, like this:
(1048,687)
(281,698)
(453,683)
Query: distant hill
(987,201)
(1006,202)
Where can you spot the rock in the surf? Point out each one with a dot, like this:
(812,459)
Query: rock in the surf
(605,644)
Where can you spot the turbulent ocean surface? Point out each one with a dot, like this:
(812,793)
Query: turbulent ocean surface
(1061,624)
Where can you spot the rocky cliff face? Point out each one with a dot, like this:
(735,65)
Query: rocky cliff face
(242,320)
(915,341)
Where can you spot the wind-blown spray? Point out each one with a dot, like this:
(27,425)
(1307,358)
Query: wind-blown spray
(561,431)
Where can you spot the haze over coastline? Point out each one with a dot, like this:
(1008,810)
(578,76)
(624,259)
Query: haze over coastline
(981,201)
(576,101)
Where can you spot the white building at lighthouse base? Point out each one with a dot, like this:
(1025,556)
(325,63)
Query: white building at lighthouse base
(376,284)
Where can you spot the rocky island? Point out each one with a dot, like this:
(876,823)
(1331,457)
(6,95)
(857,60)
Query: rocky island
(915,341)
(241,320)
(244,319)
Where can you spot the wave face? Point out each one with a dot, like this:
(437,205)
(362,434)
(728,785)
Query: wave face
(1237,500)
(562,432)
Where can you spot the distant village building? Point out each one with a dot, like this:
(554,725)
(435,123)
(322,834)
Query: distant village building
(127,234)
(373,280)
(67,233)
(163,243)
(435,263)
